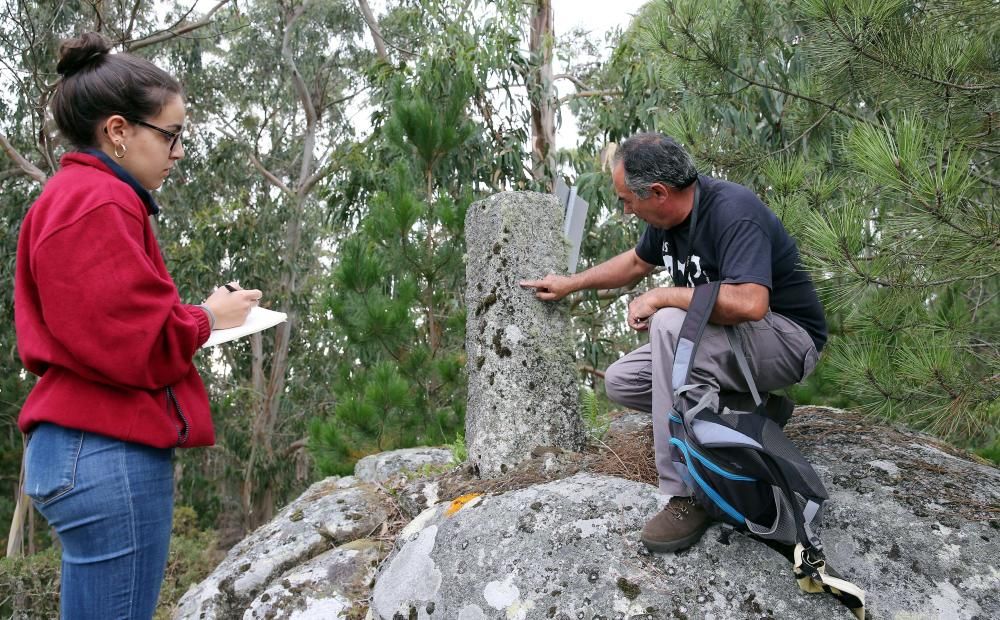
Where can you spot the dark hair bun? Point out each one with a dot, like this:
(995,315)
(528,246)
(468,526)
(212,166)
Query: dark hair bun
(81,52)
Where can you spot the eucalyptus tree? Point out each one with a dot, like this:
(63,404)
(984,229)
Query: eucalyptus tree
(268,85)
(541,93)
(274,93)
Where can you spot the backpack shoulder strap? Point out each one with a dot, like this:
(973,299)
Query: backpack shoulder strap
(698,312)
(700,308)
(736,342)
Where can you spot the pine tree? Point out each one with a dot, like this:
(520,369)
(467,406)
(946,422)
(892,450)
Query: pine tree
(396,295)
(871,129)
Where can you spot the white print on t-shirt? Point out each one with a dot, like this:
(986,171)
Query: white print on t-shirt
(696,261)
(668,259)
(693,279)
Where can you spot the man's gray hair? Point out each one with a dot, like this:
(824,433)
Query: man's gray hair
(654,158)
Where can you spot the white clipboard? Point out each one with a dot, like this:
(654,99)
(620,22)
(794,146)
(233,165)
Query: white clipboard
(258,320)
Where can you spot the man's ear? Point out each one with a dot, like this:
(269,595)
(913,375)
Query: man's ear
(659,190)
(116,128)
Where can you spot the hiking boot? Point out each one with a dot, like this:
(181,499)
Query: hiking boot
(676,527)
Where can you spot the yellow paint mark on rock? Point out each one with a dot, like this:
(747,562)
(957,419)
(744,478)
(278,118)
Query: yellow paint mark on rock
(461,502)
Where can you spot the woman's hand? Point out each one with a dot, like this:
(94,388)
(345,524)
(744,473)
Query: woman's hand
(231,304)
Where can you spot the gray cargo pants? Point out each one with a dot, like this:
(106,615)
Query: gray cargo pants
(780,353)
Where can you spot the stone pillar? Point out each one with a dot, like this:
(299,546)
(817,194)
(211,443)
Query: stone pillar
(522,368)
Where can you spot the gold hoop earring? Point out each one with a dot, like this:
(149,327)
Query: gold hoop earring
(124,150)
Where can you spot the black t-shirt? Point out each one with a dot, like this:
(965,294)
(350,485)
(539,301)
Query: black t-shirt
(738,240)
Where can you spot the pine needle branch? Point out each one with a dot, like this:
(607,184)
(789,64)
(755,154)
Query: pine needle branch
(867,53)
(708,57)
(803,134)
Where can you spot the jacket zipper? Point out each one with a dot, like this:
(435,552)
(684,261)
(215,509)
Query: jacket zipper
(182,432)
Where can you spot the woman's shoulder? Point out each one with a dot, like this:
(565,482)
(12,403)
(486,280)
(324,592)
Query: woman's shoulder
(83,184)
(77,194)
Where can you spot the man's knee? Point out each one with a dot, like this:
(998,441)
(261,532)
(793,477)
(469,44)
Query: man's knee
(617,382)
(667,320)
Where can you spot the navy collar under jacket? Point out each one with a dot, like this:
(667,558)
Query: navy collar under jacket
(144,194)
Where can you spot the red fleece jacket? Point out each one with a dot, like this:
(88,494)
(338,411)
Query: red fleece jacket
(99,319)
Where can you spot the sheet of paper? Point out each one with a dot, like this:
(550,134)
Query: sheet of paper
(258,320)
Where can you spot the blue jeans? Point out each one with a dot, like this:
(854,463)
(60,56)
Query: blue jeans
(111,503)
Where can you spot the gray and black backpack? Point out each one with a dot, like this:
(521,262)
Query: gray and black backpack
(742,468)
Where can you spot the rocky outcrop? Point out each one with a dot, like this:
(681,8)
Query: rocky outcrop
(567,548)
(910,519)
(384,466)
(331,585)
(328,515)
(521,363)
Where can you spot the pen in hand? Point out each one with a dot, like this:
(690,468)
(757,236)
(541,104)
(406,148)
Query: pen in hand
(231,304)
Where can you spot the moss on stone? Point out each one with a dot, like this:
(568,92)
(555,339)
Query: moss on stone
(629,589)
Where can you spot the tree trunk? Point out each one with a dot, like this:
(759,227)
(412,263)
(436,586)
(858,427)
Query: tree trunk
(22,508)
(258,503)
(27,168)
(366,11)
(542,96)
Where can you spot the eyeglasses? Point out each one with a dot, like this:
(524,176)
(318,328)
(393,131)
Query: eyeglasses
(174,136)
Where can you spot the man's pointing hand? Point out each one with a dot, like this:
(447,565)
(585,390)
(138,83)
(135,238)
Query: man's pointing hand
(549,288)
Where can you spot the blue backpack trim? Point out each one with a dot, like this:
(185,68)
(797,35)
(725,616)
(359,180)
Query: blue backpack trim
(709,491)
(722,472)
(707,463)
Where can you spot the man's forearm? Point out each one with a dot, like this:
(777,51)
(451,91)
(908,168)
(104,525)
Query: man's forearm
(737,303)
(623,269)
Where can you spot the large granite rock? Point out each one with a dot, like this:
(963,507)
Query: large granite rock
(522,381)
(386,465)
(569,549)
(331,585)
(912,520)
(325,516)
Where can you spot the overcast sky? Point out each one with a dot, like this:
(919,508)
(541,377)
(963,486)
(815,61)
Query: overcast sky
(597,17)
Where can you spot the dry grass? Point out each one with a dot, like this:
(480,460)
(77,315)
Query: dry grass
(627,455)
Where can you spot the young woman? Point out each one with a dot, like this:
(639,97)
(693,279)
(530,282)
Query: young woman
(100,321)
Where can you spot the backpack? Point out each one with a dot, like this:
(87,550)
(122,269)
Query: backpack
(742,468)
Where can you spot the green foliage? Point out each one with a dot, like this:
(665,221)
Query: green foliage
(228,219)
(458,449)
(426,123)
(222,219)
(29,586)
(595,416)
(991,452)
(868,127)
(396,288)
(397,281)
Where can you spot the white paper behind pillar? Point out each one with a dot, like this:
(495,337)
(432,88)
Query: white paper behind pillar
(522,370)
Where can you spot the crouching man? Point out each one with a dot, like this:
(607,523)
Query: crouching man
(765,293)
